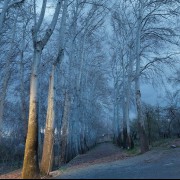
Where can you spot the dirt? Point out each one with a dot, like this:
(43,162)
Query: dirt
(104,154)
(158,163)
(12,175)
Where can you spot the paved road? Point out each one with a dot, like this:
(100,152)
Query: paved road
(161,164)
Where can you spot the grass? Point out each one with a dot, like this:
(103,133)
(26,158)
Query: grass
(161,143)
(133,152)
(164,143)
(63,169)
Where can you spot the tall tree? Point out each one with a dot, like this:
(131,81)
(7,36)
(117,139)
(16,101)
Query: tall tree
(47,157)
(30,165)
(141,125)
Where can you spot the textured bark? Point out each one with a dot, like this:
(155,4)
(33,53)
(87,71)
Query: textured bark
(31,168)
(141,127)
(47,156)
(30,165)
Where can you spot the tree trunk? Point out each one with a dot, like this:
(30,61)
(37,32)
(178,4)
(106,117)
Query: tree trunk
(141,127)
(47,156)
(130,143)
(30,165)
(143,138)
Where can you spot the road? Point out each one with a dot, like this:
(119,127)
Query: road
(158,163)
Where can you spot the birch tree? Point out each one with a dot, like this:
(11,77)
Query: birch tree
(146,12)
(47,157)
(143,24)
(122,70)
(141,125)
(30,165)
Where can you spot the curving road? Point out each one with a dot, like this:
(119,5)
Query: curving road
(159,163)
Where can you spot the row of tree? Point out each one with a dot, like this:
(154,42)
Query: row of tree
(64,44)
(72,67)
(143,31)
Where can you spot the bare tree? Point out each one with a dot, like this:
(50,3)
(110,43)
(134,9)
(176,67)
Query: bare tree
(47,157)
(30,165)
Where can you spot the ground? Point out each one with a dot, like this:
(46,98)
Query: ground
(160,162)
(109,161)
(153,164)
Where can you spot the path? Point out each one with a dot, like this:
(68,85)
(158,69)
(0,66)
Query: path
(158,163)
(105,152)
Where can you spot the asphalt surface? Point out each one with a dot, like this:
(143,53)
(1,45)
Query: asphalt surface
(155,164)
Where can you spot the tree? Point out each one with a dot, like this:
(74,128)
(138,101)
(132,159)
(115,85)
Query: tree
(7,5)
(30,165)
(141,125)
(7,70)
(140,20)
(47,157)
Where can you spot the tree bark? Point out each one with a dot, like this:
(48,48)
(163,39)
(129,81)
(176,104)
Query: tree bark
(30,165)
(143,137)
(47,156)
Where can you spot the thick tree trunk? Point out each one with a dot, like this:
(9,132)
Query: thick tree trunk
(47,156)
(30,165)
(141,127)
